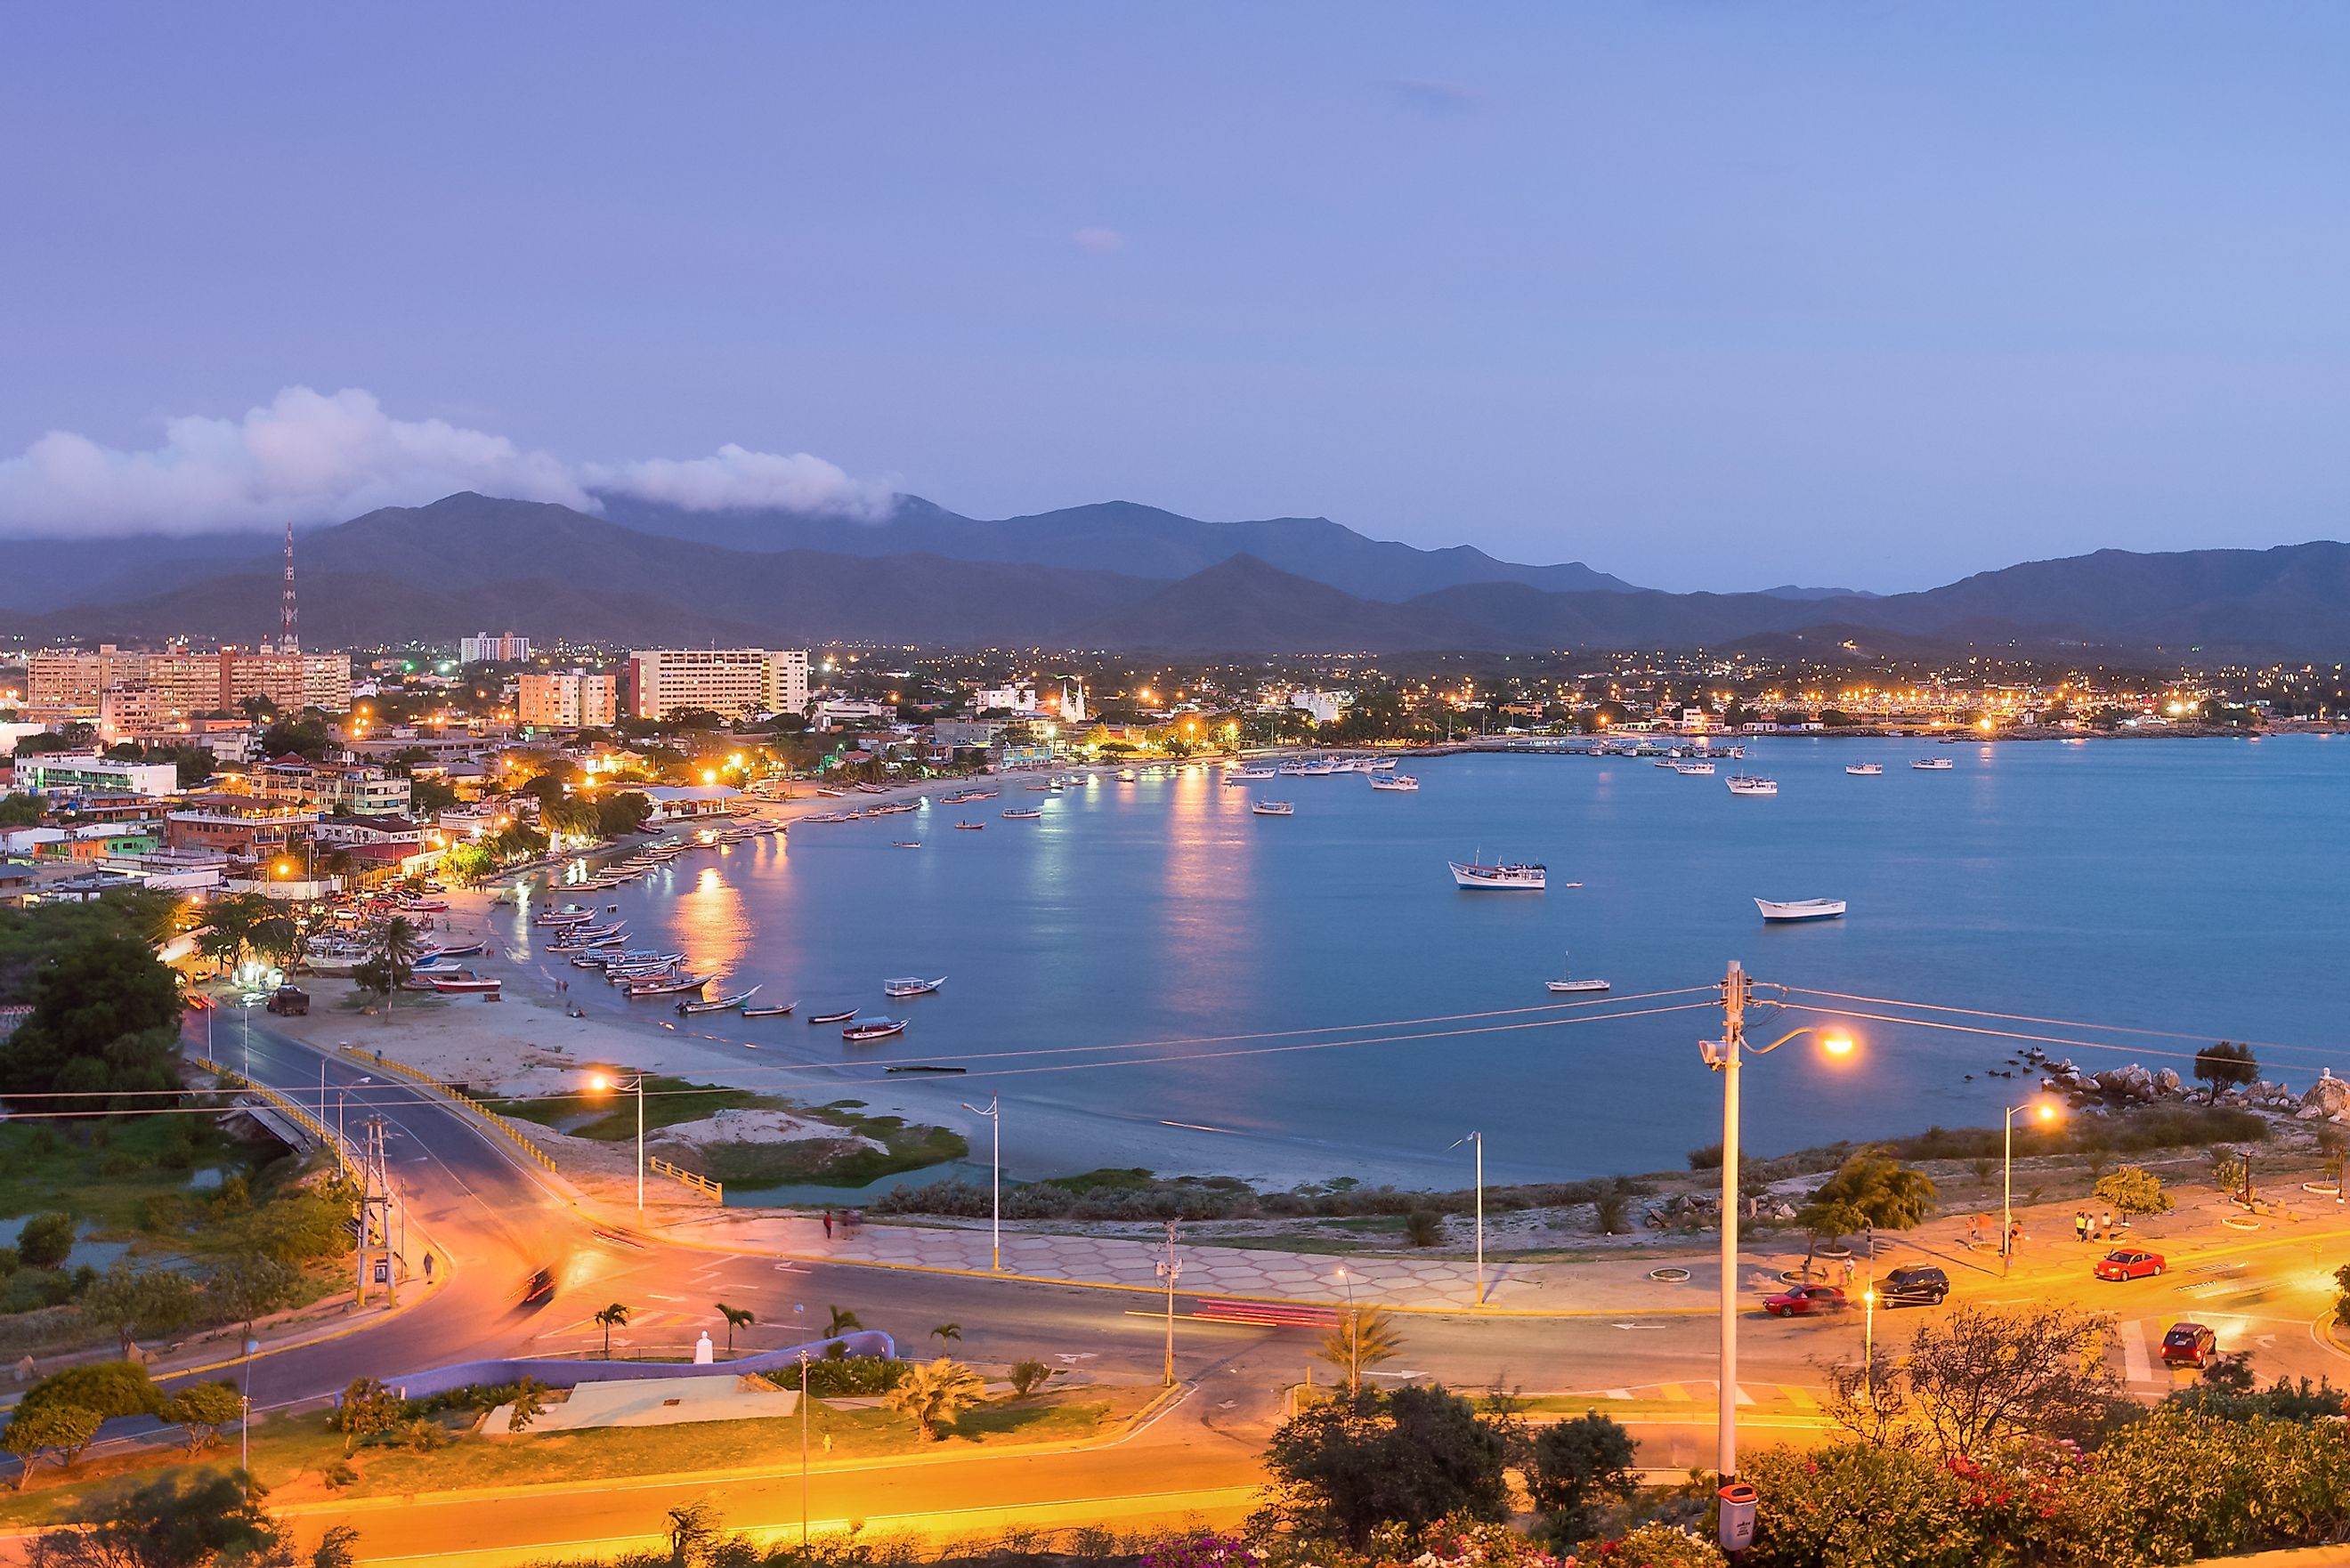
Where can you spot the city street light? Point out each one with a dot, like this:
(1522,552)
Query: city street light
(2046,1111)
(1724,1056)
(1868,1346)
(996,1247)
(1478,1139)
(1171,1269)
(600,1083)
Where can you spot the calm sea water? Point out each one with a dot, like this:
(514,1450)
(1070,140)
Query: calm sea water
(2197,887)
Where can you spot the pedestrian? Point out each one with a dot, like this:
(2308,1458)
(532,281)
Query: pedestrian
(2080,1224)
(827,1224)
(2109,1225)
(1847,1271)
(2015,1238)
(1974,1230)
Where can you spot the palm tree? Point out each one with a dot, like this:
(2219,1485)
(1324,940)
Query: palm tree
(736,1317)
(611,1317)
(945,1332)
(1361,1339)
(935,1393)
(842,1323)
(396,947)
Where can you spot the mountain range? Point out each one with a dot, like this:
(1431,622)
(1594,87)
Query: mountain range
(1116,575)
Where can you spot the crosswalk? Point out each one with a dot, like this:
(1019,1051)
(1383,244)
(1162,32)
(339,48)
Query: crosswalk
(1759,1396)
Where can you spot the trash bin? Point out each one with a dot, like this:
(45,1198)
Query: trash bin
(1737,1530)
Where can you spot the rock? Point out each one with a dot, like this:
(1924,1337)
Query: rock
(2329,1096)
(2166,1081)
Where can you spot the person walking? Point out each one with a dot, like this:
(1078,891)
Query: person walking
(2108,1232)
(2080,1224)
(827,1224)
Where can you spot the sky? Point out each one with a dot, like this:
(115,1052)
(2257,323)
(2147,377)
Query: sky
(1709,296)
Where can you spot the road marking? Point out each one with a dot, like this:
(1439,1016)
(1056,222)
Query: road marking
(1676,1393)
(2135,1364)
(1743,1397)
(1800,1399)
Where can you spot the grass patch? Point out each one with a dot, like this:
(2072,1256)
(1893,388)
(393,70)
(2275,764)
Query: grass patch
(831,1162)
(611,1117)
(291,1454)
(105,1171)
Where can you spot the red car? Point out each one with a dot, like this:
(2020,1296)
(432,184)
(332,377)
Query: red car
(2129,1263)
(1804,1300)
(2190,1344)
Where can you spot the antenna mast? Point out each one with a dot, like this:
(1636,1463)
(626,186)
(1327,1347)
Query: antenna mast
(287,640)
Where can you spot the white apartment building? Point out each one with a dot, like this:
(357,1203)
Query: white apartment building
(1068,704)
(1322,707)
(568,699)
(489,649)
(728,682)
(84,772)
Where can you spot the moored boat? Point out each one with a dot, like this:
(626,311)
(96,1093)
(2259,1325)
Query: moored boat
(1564,985)
(1789,911)
(1865,770)
(1022,816)
(1699,770)
(843,1016)
(873,1029)
(1398,784)
(912,985)
(769,1012)
(719,1004)
(1271,808)
(1932,764)
(1749,783)
(1510,877)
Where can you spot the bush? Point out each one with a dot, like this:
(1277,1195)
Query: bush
(1578,1465)
(1423,1227)
(47,1240)
(1410,1456)
(1028,1376)
(845,1377)
(108,1388)
(1660,1545)
(2133,1189)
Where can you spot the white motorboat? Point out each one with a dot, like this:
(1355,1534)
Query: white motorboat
(1271,808)
(1694,770)
(1748,784)
(1398,784)
(1504,877)
(1242,775)
(1865,770)
(1932,764)
(1564,986)
(1793,909)
(912,985)
(1308,770)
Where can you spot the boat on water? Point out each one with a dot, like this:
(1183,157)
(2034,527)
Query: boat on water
(1507,876)
(1023,816)
(1398,784)
(1694,770)
(843,1016)
(1932,764)
(466,949)
(1302,769)
(873,1029)
(1127,776)
(570,917)
(1865,770)
(1379,765)
(463,981)
(907,842)
(1793,910)
(769,1012)
(923,1068)
(718,1005)
(670,987)
(970,827)
(1749,783)
(1564,985)
(912,985)
(1242,775)
(1271,808)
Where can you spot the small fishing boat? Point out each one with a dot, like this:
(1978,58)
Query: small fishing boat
(971,827)
(1748,784)
(769,1012)
(873,1029)
(1865,770)
(907,842)
(912,985)
(1242,775)
(843,1016)
(463,981)
(670,987)
(468,951)
(1524,877)
(1022,816)
(721,1004)
(1271,808)
(1563,985)
(1932,764)
(1398,784)
(1694,770)
(1793,910)
(923,1068)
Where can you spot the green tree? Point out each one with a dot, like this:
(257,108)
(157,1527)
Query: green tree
(1825,1221)
(1983,1377)
(368,1410)
(110,1388)
(131,1300)
(623,811)
(1029,1375)
(1361,1339)
(200,1410)
(428,797)
(529,1404)
(211,1517)
(20,811)
(610,1318)
(944,1332)
(54,1431)
(248,1287)
(105,1020)
(935,1393)
(1577,1465)
(1886,1194)
(2133,1189)
(736,1317)
(1410,1456)
(2224,1065)
(841,1321)
(47,1240)
(394,952)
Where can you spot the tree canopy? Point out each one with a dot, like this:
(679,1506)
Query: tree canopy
(1408,1456)
(104,1021)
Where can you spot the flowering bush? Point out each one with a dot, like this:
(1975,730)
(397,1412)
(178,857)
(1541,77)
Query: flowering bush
(1659,1546)
(1459,1540)
(1202,1549)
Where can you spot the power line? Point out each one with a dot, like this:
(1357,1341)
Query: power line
(2053,1023)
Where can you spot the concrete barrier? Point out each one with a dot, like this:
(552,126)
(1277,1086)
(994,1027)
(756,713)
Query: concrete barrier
(560,1374)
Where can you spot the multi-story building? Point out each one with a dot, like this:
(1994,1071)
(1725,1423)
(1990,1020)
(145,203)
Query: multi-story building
(572,700)
(73,679)
(731,682)
(141,709)
(492,648)
(219,682)
(83,773)
(248,827)
(335,789)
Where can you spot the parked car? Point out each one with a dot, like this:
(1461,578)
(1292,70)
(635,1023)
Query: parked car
(1804,1300)
(2129,1263)
(290,1001)
(2189,1344)
(1917,1284)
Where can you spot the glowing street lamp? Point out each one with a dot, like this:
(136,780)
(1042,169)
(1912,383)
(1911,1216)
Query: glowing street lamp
(2045,1112)
(601,1082)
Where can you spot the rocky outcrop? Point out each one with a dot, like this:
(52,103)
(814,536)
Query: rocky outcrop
(2329,1097)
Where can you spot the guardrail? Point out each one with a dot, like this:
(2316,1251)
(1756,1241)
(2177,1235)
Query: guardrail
(505,1126)
(714,1191)
(284,1105)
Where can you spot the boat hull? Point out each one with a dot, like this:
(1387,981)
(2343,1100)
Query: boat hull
(1800,911)
(1499,878)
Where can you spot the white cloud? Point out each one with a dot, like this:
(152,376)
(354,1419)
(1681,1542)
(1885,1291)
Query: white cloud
(1100,241)
(737,477)
(308,457)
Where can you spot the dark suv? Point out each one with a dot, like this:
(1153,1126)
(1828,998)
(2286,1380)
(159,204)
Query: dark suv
(1918,1285)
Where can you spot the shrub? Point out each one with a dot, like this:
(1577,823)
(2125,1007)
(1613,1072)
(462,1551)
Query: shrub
(1577,1465)
(2133,1189)
(1423,1227)
(1660,1545)
(47,1240)
(847,1377)
(1028,1376)
(108,1388)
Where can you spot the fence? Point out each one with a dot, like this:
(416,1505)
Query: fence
(714,1191)
(284,1105)
(505,1126)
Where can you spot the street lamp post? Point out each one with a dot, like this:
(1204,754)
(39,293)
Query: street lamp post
(1478,1139)
(804,1449)
(995,1244)
(1725,1056)
(342,1095)
(600,1083)
(2046,1112)
(1868,1346)
(244,1416)
(1171,1269)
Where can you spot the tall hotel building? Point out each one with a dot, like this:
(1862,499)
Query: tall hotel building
(728,682)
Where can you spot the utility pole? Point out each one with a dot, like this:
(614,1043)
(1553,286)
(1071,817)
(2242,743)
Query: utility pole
(1736,991)
(375,1213)
(1171,1269)
(803,1450)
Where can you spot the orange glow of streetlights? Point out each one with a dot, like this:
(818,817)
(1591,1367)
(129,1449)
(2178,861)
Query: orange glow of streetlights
(1836,1045)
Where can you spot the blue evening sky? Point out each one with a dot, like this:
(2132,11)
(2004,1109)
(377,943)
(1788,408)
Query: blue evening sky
(1708,294)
